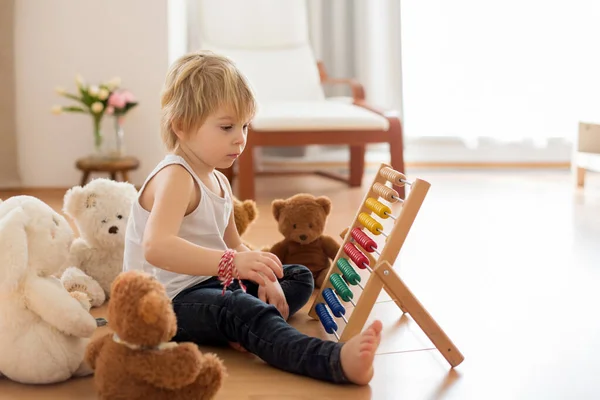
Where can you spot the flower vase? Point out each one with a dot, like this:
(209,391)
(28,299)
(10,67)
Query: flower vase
(98,139)
(120,133)
(105,145)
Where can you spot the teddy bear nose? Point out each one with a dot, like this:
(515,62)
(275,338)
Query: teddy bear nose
(113,230)
(302,237)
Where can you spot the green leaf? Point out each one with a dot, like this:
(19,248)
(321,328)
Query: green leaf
(73,97)
(86,98)
(74,109)
(129,106)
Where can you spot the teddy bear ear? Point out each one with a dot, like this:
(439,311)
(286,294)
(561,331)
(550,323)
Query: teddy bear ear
(129,189)
(149,307)
(324,202)
(251,209)
(76,200)
(277,206)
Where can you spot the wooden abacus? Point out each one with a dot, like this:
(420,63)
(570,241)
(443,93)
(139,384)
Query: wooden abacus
(382,275)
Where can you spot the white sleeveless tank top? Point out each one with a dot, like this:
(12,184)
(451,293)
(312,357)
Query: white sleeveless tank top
(205,226)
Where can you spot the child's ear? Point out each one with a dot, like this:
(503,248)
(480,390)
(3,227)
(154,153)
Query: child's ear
(177,127)
(277,206)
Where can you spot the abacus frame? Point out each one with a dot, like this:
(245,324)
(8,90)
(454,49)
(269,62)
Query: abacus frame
(385,277)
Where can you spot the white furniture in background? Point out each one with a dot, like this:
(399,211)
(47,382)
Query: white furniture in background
(269,41)
(586,155)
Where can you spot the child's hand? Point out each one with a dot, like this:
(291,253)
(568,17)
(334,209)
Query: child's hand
(272,293)
(256,265)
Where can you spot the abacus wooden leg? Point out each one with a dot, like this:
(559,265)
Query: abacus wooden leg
(125,175)
(246,174)
(357,165)
(397,152)
(388,277)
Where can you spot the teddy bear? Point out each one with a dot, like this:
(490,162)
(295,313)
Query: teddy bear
(44,330)
(100,211)
(244,213)
(301,220)
(138,361)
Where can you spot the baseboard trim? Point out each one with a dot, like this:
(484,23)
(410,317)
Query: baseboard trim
(284,165)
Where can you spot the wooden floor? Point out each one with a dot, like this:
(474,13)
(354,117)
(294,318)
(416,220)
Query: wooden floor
(507,262)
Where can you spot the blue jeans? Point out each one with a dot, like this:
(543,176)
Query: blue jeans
(206,317)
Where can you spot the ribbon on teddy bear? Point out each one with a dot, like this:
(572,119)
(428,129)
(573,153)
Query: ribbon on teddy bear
(227,270)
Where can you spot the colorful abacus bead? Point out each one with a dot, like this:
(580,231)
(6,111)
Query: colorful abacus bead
(340,287)
(356,255)
(386,192)
(368,222)
(378,208)
(349,273)
(365,242)
(393,176)
(326,319)
(334,304)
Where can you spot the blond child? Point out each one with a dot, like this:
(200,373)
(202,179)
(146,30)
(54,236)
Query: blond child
(182,231)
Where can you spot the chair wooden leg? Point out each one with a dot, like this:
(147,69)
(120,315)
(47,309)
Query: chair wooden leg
(580,176)
(245,185)
(397,150)
(357,165)
(228,172)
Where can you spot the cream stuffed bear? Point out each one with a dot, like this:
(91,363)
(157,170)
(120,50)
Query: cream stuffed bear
(100,210)
(44,331)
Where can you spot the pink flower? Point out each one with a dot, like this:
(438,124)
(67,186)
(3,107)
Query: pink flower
(128,96)
(117,100)
(110,110)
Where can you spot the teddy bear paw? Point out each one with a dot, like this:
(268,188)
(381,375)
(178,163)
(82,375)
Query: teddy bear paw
(83,299)
(75,280)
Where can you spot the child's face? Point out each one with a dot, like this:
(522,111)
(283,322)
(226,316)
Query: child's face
(220,140)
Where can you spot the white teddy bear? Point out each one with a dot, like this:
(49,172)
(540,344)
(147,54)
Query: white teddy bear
(100,210)
(44,330)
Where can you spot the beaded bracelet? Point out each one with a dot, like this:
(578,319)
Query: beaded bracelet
(227,270)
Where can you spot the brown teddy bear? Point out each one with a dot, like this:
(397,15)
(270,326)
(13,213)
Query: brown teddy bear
(302,220)
(137,361)
(244,213)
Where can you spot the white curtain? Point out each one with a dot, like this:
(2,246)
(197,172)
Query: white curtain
(360,39)
(509,70)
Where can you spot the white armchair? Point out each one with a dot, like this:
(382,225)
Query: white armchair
(269,41)
(586,155)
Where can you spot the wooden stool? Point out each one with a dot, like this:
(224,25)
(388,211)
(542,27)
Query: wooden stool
(111,165)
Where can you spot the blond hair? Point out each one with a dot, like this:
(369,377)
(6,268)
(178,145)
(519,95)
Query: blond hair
(197,85)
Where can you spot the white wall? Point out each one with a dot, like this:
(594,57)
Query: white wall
(54,40)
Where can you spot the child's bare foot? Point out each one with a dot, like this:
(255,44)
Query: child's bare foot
(358,353)
(238,347)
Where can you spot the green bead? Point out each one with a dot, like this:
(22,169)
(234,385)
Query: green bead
(340,287)
(351,276)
